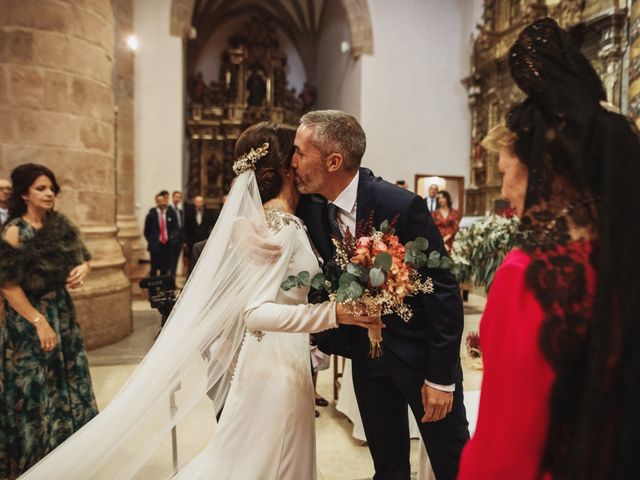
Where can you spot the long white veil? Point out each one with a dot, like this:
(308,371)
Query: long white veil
(193,355)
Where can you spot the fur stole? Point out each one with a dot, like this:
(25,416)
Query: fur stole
(44,261)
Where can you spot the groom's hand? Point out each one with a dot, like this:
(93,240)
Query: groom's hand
(436,403)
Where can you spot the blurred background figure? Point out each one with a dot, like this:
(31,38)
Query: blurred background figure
(401,184)
(5,194)
(446,218)
(199,222)
(160,230)
(178,241)
(46,391)
(432,200)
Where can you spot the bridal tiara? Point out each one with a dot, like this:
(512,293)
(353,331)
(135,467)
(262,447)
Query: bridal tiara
(247,161)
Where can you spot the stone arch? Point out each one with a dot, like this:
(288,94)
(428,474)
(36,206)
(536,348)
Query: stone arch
(358,16)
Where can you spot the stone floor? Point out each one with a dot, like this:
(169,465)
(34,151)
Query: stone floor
(340,456)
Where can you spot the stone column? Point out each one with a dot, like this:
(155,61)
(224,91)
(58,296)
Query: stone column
(56,108)
(634,63)
(128,231)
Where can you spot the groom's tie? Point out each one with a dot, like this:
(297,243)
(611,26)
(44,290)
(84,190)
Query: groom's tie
(333,221)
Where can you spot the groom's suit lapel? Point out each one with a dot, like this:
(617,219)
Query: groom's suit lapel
(366,201)
(319,228)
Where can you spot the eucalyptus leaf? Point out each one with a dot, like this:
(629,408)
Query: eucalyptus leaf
(341,294)
(304,279)
(317,282)
(376,277)
(446,263)
(346,279)
(384,226)
(420,243)
(354,290)
(383,261)
(433,263)
(289,283)
(435,255)
(358,271)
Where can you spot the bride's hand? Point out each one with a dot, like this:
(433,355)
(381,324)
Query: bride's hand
(344,317)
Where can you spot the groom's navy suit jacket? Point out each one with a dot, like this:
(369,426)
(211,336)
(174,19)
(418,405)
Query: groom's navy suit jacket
(430,341)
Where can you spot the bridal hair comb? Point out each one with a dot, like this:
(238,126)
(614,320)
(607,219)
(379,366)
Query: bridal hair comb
(247,161)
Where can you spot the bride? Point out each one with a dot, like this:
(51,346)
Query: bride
(233,335)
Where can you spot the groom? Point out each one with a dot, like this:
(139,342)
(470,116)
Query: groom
(420,366)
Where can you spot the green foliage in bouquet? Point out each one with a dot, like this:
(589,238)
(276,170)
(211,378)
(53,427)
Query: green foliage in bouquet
(360,269)
(479,249)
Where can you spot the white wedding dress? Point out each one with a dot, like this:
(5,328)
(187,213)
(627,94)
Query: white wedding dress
(223,344)
(267,427)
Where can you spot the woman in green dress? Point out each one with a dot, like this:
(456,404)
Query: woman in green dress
(45,385)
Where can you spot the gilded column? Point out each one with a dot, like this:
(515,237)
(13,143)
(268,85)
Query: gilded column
(57,108)
(634,62)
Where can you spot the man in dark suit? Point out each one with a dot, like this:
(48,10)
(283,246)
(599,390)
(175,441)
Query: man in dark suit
(199,222)
(420,366)
(160,229)
(178,242)
(432,198)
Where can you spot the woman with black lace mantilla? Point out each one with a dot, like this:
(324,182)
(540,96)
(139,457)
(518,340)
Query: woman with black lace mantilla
(45,388)
(560,331)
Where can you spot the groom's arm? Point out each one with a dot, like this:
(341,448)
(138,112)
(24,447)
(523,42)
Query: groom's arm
(443,308)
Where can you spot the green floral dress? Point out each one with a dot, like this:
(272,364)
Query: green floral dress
(44,396)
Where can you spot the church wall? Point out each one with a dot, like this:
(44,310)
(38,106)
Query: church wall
(338,73)
(414,106)
(159,104)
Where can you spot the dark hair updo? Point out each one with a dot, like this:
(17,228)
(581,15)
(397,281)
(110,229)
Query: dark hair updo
(22,177)
(269,169)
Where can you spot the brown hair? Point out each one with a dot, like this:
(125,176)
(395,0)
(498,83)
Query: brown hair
(269,169)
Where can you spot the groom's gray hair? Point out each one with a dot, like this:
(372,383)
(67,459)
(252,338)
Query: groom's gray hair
(335,131)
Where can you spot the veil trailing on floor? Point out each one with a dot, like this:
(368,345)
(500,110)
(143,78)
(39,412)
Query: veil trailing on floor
(193,357)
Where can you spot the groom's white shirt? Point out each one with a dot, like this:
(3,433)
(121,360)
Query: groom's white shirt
(347,203)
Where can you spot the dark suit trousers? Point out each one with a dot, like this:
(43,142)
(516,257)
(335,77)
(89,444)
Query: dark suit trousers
(176,250)
(161,260)
(384,386)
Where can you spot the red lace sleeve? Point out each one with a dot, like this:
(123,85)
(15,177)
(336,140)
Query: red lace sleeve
(513,416)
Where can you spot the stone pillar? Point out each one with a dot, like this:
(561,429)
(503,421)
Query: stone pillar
(634,63)
(56,108)
(128,231)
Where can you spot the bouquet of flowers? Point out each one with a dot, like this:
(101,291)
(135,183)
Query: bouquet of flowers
(373,274)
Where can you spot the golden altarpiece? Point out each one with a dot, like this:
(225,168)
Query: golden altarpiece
(601,27)
(252,86)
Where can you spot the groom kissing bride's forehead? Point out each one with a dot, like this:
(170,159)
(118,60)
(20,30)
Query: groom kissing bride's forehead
(420,367)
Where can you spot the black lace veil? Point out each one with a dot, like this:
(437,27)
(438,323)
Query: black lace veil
(581,221)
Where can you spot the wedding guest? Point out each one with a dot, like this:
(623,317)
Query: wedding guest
(446,218)
(160,229)
(46,393)
(432,198)
(560,330)
(199,222)
(178,241)
(401,184)
(5,194)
